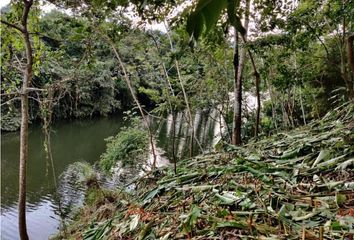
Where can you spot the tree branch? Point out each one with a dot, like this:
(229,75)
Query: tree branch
(10,100)
(36,89)
(12,25)
(26,10)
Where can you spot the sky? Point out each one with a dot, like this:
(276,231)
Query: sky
(4,3)
(48,7)
(45,8)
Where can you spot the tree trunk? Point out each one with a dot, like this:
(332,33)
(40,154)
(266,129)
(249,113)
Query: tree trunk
(24,124)
(302,108)
(23,166)
(286,121)
(173,113)
(172,109)
(174,158)
(135,98)
(351,64)
(190,117)
(256,130)
(236,133)
(257,76)
(272,100)
(189,112)
(238,69)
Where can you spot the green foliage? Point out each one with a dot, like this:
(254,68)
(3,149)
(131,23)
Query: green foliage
(97,232)
(79,173)
(11,121)
(191,219)
(249,189)
(208,12)
(130,146)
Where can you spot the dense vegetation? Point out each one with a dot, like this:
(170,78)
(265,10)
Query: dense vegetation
(295,67)
(280,75)
(295,184)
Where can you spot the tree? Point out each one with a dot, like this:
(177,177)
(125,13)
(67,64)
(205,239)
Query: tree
(203,18)
(27,78)
(351,58)
(327,23)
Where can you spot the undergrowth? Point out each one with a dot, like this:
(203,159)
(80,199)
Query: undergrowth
(129,146)
(292,185)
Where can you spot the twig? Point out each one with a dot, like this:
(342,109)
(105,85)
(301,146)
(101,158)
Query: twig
(10,100)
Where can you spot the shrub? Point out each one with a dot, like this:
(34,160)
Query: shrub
(129,146)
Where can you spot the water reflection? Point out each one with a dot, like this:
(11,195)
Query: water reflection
(71,141)
(82,141)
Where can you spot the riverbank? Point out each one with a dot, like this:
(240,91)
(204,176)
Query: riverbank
(71,141)
(292,185)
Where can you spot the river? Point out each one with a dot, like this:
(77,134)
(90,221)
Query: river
(78,140)
(75,140)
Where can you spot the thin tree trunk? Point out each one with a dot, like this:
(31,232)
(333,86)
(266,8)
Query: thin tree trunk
(236,133)
(238,67)
(135,98)
(286,121)
(23,166)
(351,64)
(173,113)
(301,103)
(343,63)
(256,130)
(272,100)
(24,124)
(290,109)
(302,108)
(189,112)
(174,158)
(172,109)
(257,76)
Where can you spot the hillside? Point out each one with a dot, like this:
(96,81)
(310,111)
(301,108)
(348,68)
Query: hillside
(292,185)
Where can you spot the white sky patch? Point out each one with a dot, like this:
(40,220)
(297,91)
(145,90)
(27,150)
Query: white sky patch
(156,26)
(3,3)
(45,7)
(48,7)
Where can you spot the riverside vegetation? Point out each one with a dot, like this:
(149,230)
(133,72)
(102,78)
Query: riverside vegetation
(293,185)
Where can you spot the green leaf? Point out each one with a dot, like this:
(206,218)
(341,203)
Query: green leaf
(230,224)
(205,16)
(233,18)
(238,25)
(227,198)
(191,219)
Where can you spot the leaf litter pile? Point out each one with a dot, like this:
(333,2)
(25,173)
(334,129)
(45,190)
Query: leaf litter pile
(292,185)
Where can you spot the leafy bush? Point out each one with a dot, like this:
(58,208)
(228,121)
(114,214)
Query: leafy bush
(10,121)
(78,173)
(130,145)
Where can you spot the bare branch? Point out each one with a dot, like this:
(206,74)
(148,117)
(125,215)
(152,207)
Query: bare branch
(10,100)
(37,100)
(12,25)
(36,89)
(18,60)
(19,69)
